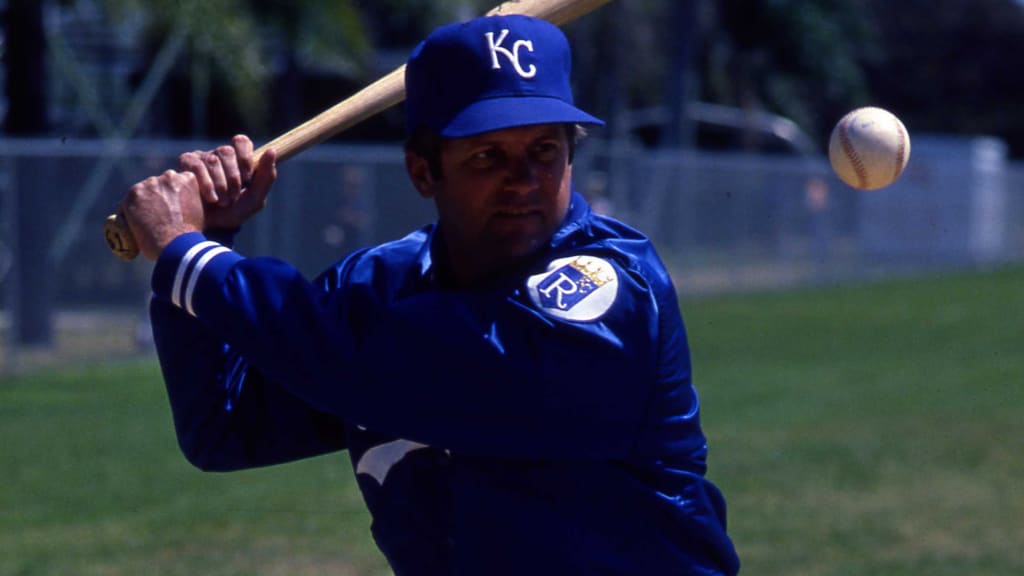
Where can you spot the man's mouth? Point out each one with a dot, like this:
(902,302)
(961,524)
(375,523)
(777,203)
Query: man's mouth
(514,212)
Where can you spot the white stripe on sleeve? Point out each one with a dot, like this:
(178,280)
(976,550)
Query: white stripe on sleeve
(183,267)
(196,272)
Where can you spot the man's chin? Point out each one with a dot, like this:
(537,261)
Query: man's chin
(515,248)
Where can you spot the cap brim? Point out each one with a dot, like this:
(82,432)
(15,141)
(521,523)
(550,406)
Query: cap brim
(510,112)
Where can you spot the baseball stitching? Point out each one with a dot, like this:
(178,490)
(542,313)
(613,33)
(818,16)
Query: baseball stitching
(901,151)
(851,153)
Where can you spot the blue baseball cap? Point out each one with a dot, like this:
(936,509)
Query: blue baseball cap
(491,73)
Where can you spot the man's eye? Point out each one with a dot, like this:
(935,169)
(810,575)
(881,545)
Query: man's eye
(547,150)
(483,157)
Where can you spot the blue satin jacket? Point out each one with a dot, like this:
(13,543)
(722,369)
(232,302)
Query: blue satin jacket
(542,424)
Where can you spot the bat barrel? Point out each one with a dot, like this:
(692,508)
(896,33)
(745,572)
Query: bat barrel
(368,102)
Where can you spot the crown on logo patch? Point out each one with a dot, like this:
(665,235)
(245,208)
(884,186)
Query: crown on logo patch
(593,270)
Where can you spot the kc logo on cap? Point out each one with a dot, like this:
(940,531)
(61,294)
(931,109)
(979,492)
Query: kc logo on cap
(491,73)
(512,55)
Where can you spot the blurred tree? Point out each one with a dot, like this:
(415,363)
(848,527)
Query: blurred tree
(944,65)
(401,24)
(952,66)
(242,46)
(802,59)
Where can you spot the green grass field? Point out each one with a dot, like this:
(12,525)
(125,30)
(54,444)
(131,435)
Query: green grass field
(873,430)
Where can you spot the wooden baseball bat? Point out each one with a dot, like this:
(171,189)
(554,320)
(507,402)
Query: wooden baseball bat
(375,98)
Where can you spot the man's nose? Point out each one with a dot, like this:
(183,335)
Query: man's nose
(523,173)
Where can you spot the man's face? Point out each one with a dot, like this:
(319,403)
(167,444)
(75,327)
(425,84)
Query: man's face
(501,196)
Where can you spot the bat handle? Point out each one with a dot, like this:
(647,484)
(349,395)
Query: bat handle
(119,238)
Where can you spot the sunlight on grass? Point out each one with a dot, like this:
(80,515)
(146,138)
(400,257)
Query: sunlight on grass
(869,430)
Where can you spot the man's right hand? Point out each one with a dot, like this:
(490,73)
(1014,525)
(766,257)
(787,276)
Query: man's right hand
(161,208)
(231,183)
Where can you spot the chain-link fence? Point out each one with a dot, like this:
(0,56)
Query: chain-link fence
(721,222)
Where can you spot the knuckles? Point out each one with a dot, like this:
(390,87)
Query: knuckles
(189,159)
(169,181)
(188,179)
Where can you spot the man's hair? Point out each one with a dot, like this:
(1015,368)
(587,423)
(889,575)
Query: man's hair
(426,143)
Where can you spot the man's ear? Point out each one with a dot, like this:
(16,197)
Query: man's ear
(419,174)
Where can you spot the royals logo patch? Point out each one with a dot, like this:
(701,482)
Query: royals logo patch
(577,288)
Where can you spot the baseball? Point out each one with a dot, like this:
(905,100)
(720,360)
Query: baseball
(869,148)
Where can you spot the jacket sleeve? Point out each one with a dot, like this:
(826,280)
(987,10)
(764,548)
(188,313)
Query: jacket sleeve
(481,372)
(227,414)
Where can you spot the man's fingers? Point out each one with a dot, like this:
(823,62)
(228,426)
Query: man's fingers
(265,175)
(193,163)
(232,173)
(244,152)
(215,167)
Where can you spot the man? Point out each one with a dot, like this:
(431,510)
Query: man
(512,382)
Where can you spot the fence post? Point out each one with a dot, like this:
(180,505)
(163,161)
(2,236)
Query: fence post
(8,271)
(33,274)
